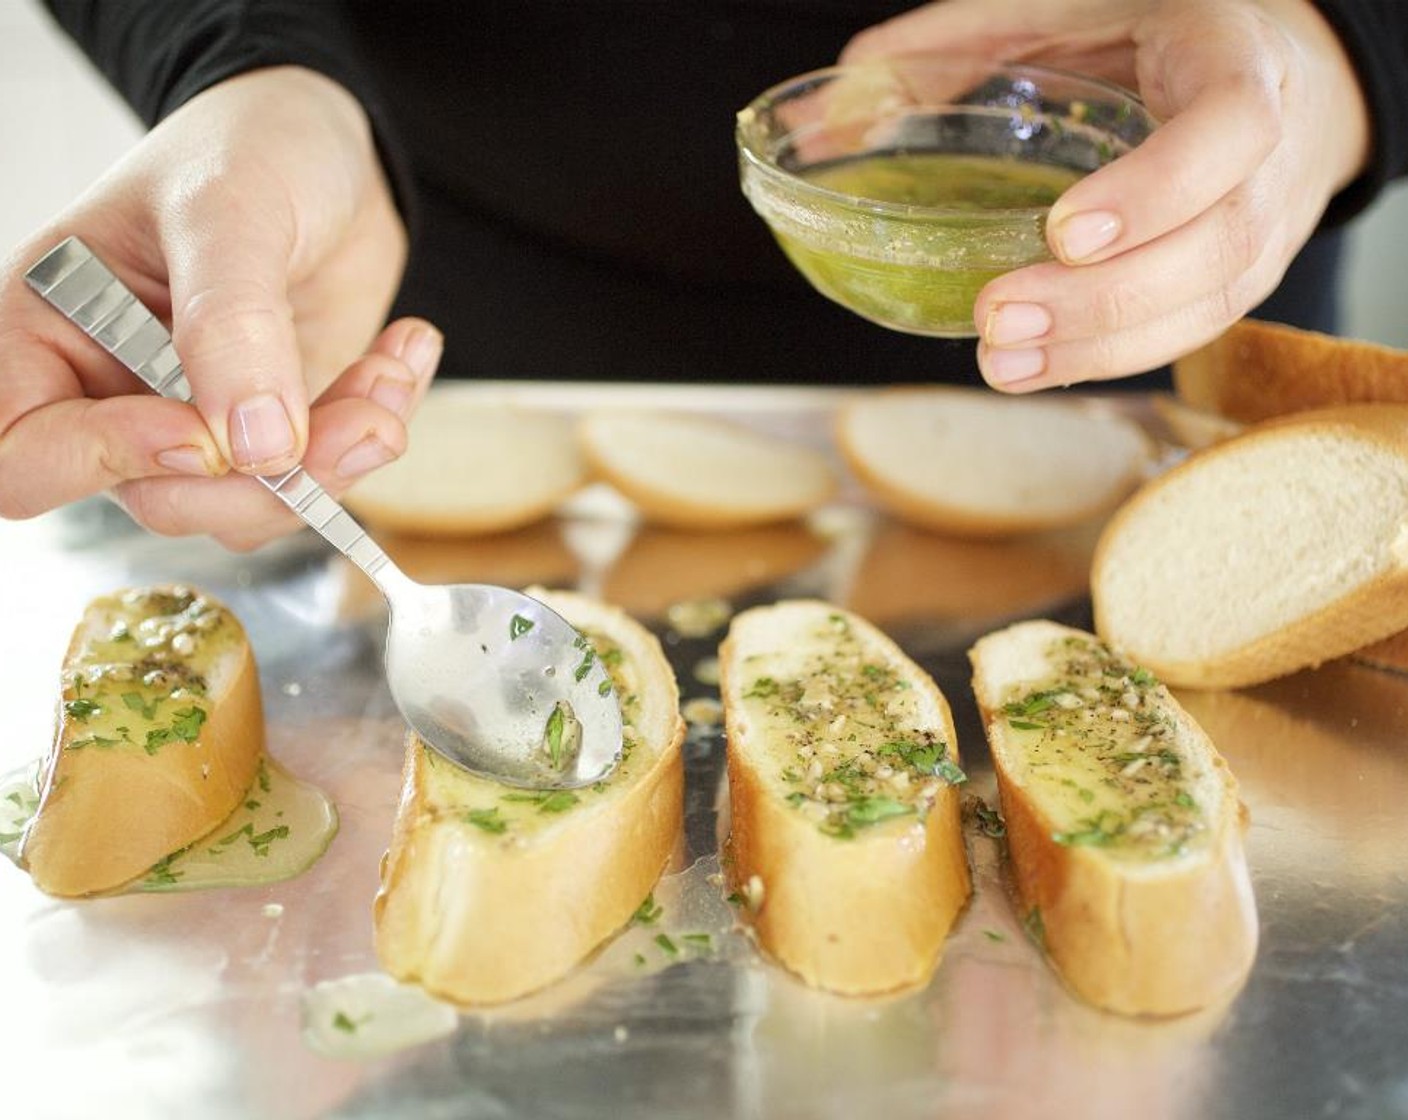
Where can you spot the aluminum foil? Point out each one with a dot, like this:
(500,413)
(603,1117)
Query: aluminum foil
(193,1005)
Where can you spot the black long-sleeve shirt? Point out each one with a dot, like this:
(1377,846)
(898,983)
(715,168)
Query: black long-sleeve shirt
(569,170)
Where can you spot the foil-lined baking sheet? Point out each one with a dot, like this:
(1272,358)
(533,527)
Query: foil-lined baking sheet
(195,1005)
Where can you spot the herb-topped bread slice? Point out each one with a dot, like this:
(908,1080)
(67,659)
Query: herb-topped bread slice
(159,735)
(845,836)
(490,892)
(1123,824)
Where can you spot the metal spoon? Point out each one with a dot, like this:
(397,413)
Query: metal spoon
(491,679)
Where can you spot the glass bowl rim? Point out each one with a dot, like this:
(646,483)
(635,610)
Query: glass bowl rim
(750,148)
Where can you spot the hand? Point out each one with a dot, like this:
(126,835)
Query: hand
(1161,250)
(256,221)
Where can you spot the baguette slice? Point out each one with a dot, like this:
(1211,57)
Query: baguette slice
(854,876)
(1257,370)
(489,893)
(159,733)
(1273,551)
(699,472)
(472,467)
(1124,832)
(975,463)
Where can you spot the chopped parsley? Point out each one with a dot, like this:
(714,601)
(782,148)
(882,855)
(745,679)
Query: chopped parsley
(487,819)
(518,625)
(648,912)
(81,710)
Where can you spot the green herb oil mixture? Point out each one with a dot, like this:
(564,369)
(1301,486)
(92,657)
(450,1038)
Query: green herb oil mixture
(923,274)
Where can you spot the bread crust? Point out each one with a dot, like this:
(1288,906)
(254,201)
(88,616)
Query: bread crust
(480,918)
(1156,944)
(1258,370)
(1376,609)
(106,815)
(858,916)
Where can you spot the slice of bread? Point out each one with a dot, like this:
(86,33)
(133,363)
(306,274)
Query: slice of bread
(699,472)
(845,834)
(1270,552)
(1256,370)
(1123,825)
(975,463)
(488,892)
(472,466)
(159,734)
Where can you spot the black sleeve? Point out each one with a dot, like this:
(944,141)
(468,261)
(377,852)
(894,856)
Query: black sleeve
(1375,33)
(159,54)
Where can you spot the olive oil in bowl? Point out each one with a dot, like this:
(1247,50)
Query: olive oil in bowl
(899,187)
(908,239)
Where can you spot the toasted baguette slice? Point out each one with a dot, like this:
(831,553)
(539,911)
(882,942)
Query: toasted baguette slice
(472,467)
(845,834)
(1270,552)
(489,893)
(974,463)
(699,472)
(159,734)
(1123,824)
(1258,370)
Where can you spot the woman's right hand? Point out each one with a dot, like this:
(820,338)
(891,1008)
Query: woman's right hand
(257,222)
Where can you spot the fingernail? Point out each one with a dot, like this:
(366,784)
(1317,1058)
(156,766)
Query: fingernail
(1005,367)
(364,456)
(260,432)
(1010,323)
(422,351)
(190,459)
(1083,235)
(392,393)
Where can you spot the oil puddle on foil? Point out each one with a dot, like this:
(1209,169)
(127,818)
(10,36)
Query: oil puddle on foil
(368,1014)
(279,830)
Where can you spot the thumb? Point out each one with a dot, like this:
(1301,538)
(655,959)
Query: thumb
(232,325)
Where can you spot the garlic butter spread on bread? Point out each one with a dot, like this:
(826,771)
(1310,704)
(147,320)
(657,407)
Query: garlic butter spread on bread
(1123,824)
(160,732)
(845,835)
(490,892)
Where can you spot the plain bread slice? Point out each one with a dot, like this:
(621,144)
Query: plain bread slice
(975,463)
(694,471)
(1273,551)
(472,466)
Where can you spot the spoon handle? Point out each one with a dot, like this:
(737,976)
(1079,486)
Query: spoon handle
(72,279)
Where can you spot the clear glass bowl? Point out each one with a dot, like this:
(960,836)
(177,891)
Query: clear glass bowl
(899,188)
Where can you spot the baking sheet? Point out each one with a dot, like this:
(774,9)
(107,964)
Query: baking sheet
(190,1005)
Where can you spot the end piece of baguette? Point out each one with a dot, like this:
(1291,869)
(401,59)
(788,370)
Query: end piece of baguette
(1123,825)
(472,467)
(700,472)
(1270,552)
(975,463)
(489,892)
(1257,370)
(159,733)
(845,834)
